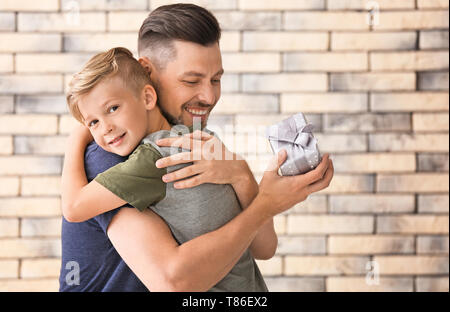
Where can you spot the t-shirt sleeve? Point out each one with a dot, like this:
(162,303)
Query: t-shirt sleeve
(137,180)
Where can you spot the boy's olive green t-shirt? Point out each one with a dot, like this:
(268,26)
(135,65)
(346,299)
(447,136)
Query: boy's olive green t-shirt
(189,212)
(137,181)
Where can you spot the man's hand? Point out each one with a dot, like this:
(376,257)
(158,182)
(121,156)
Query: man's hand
(212,161)
(280,193)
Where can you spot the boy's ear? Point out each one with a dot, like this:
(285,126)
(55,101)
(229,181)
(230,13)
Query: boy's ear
(150,97)
(147,64)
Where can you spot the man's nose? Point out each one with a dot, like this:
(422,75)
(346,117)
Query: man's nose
(207,95)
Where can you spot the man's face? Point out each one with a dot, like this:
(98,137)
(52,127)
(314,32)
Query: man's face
(189,86)
(116,118)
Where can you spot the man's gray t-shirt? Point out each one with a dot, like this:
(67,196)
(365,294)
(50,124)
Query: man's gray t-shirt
(188,212)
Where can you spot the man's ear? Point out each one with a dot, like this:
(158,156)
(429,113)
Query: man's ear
(150,97)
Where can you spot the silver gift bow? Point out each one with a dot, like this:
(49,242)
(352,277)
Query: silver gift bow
(295,136)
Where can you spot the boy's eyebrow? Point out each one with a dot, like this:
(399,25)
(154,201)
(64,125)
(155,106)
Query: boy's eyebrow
(197,74)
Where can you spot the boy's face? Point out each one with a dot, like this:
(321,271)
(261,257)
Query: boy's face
(189,85)
(117,120)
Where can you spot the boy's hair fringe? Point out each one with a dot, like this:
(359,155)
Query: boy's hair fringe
(116,61)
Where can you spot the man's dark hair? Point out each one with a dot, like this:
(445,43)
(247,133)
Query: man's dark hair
(185,22)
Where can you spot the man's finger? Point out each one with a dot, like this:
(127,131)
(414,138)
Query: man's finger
(324,182)
(276,161)
(318,172)
(182,173)
(180,158)
(199,135)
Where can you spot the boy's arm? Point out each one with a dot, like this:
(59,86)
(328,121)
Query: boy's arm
(80,199)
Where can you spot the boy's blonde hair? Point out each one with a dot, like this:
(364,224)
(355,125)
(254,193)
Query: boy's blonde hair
(116,61)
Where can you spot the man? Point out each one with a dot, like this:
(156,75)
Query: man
(126,250)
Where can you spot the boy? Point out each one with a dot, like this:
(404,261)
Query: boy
(112,96)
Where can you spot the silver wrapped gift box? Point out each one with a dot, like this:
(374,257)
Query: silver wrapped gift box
(294,134)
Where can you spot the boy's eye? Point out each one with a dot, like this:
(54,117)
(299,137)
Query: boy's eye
(113,108)
(92,123)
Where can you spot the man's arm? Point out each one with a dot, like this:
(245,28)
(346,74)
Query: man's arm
(145,242)
(222,167)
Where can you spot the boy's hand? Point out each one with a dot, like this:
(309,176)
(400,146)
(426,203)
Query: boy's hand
(80,134)
(279,193)
(213,162)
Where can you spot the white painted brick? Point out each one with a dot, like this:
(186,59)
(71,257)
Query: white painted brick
(6,104)
(24,5)
(7,21)
(30,207)
(9,186)
(432,284)
(61,22)
(8,269)
(40,186)
(362,4)
(373,41)
(409,101)
(433,204)
(408,143)
(50,63)
(406,61)
(30,84)
(375,163)
(345,184)
(99,42)
(324,265)
(41,227)
(426,4)
(9,227)
(30,285)
(18,165)
(303,284)
(285,41)
(6,146)
(39,268)
(435,39)
(236,20)
(6,63)
(430,122)
(328,224)
(28,124)
(324,102)
(371,203)
(267,83)
(407,20)
(104,5)
(325,21)
(209,4)
(341,143)
(46,145)
(230,41)
(325,61)
(125,21)
(30,42)
(281,5)
(433,81)
(419,182)
(251,62)
(373,81)
(242,103)
(359,284)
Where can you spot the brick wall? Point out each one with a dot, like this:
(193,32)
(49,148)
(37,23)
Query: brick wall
(376,90)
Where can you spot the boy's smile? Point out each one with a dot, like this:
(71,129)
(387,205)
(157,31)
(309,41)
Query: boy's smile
(116,118)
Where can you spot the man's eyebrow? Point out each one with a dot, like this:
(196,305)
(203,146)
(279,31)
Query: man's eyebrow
(197,74)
